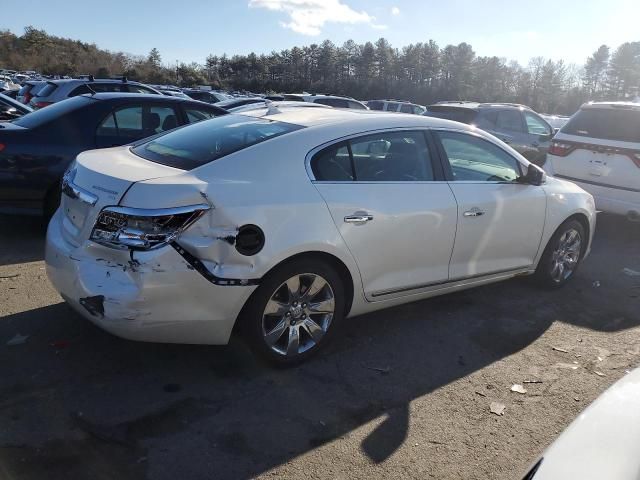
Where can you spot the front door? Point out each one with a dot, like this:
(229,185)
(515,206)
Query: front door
(500,220)
(396,217)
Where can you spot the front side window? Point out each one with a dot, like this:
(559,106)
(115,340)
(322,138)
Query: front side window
(356,105)
(406,108)
(392,106)
(536,125)
(382,157)
(203,142)
(139,89)
(375,105)
(474,159)
(509,120)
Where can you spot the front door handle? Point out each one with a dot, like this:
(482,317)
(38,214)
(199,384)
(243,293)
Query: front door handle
(358,218)
(474,212)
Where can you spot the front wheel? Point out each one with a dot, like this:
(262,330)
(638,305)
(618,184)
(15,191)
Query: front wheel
(294,312)
(562,255)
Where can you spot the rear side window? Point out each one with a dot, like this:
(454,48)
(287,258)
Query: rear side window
(381,157)
(406,108)
(47,90)
(204,142)
(510,121)
(608,124)
(392,106)
(332,102)
(463,115)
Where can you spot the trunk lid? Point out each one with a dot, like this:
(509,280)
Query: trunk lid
(100,178)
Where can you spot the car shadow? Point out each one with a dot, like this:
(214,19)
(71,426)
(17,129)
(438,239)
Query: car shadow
(21,239)
(76,399)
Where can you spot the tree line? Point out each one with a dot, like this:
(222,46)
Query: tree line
(422,72)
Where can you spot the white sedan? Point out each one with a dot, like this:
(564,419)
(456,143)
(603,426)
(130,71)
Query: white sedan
(289,223)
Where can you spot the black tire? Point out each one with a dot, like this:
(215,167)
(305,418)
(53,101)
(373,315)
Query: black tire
(254,322)
(546,273)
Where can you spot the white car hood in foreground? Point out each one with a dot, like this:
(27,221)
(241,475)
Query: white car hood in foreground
(603,442)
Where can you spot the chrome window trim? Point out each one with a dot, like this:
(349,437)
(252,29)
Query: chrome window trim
(364,133)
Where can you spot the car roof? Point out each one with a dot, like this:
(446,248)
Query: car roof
(478,105)
(63,81)
(612,105)
(149,97)
(369,119)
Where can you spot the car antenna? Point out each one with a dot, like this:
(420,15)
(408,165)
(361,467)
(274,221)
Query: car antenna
(271,108)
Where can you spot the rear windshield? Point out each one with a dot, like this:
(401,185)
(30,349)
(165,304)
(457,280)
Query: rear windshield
(463,115)
(52,112)
(203,142)
(47,90)
(609,124)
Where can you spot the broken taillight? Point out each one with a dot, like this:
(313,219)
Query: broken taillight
(143,229)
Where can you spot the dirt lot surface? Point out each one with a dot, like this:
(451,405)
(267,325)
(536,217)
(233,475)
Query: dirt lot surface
(404,393)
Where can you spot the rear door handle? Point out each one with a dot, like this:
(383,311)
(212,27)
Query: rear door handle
(359,218)
(474,212)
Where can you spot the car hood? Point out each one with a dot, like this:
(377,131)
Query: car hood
(603,442)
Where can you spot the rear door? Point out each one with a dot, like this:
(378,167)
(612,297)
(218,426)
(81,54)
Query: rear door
(395,213)
(133,122)
(500,221)
(600,145)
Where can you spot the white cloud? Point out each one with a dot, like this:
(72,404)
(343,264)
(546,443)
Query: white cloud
(395,11)
(309,16)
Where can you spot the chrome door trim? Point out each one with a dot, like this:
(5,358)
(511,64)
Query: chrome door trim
(508,272)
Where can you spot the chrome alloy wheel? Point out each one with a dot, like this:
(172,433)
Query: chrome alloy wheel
(298,314)
(565,257)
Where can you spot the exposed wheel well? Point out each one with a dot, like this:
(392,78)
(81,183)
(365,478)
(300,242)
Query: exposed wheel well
(336,263)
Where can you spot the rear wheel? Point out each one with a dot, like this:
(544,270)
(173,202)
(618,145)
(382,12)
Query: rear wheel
(562,255)
(294,312)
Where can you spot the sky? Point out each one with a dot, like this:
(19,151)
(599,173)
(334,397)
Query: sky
(190,30)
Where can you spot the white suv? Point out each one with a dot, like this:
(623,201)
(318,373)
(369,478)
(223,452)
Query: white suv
(599,149)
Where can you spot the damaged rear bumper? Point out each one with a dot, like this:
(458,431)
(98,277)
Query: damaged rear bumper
(157,297)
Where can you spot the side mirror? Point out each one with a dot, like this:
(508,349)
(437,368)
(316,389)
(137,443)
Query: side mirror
(534,176)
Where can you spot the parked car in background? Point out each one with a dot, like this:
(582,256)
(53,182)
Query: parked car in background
(556,121)
(170,91)
(293,221)
(206,95)
(29,90)
(57,90)
(11,109)
(400,106)
(599,149)
(516,125)
(38,147)
(603,442)
(329,100)
(268,107)
(10,93)
(239,102)
(7,84)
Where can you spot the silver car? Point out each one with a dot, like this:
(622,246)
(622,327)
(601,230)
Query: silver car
(288,222)
(57,90)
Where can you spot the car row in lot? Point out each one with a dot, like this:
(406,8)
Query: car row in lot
(11,109)
(37,148)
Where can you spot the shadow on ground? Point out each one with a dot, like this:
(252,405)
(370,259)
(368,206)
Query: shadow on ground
(76,402)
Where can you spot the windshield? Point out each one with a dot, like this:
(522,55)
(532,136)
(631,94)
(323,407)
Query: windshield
(203,142)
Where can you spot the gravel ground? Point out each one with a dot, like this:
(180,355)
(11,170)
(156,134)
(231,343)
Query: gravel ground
(404,393)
